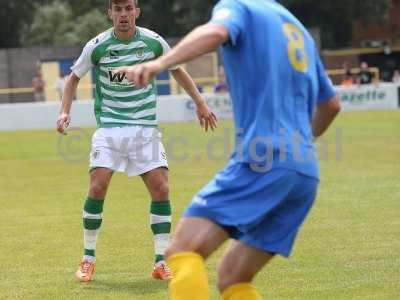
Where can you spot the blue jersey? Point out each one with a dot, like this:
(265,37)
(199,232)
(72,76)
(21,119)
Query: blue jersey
(275,79)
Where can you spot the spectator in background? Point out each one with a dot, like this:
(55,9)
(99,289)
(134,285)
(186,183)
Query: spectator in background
(60,84)
(396,77)
(348,79)
(221,86)
(346,68)
(38,85)
(365,76)
(200,88)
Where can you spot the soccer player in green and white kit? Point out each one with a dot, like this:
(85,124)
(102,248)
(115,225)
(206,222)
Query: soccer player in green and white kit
(127,138)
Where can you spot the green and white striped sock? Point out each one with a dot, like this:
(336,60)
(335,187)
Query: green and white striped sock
(92,218)
(160,220)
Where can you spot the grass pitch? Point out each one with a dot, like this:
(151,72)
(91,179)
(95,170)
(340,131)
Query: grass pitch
(348,249)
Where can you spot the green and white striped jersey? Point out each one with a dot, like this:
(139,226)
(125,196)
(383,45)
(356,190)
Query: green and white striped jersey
(117,101)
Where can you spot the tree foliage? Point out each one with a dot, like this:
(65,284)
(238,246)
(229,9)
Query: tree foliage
(336,18)
(56,24)
(31,22)
(12,17)
(174,18)
(63,23)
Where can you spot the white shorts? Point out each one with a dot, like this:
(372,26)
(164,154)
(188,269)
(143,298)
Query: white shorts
(132,149)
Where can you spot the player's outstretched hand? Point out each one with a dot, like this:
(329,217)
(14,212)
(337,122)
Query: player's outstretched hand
(140,75)
(63,123)
(206,117)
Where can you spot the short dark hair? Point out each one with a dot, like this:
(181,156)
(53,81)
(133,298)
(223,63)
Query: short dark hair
(110,2)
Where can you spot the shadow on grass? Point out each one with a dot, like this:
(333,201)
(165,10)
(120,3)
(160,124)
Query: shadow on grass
(138,287)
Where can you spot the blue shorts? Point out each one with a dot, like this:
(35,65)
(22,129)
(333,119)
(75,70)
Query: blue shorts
(262,210)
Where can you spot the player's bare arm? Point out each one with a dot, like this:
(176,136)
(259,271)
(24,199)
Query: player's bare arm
(206,117)
(324,115)
(70,90)
(201,40)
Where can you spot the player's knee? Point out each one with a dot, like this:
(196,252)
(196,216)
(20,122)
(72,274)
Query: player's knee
(177,245)
(190,244)
(98,189)
(161,191)
(174,249)
(228,275)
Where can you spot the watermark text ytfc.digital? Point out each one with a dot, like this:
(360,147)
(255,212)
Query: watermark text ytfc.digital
(261,151)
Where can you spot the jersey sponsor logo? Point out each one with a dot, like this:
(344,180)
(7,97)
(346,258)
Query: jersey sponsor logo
(117,79)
